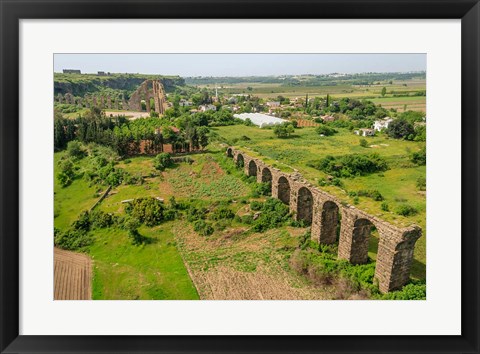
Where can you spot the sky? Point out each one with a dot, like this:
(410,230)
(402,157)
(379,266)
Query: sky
(240,64)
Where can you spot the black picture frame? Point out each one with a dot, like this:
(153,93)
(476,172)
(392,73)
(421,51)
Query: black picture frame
(12,11)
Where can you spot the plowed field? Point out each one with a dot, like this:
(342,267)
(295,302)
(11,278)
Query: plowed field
(72,276)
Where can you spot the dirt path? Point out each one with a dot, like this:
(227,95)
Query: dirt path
(72,276)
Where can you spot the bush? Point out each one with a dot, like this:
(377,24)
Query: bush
(203,228)
(100,219)
(283,130)
(371,193)
(73,240)
(75,150)
(384,206)
(401,129)
(194,213)
(420,157)
(412,291)
(273,214)
(66,172)
(222,213)
(264,188)
(148,211)
(363,143)
(256,205)
(325,130)
(350,165)
(162,161)
(407,210)
(422,183)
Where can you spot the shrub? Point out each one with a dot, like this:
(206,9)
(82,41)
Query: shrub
(100,219)
(325,130)
(412,291)
(66,172)
(148,211)
(73,240)
(401,129)
(384,206)
(420,157)
(256,205)
(273,214)
(264,188)
(363,143)
(283,130)
(222,213)
(406,210)
(422,183)
(371,193)
(75,150)
(203,228)
(162,161)
(350,165)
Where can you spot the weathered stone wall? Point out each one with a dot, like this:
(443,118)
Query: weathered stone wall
(147,90)
(323,211)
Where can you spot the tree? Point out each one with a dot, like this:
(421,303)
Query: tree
(283,130)
(325,130)
(202,133)
(401,129)
(384,91)
(162,161)
(363,143)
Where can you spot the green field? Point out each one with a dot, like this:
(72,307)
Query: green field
(404,92)
(123,270)
(397,184)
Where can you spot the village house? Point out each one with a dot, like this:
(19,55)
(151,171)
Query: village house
(184,103)
(273,104)
(365,132)
(328,118)
(207,107)
(381,124)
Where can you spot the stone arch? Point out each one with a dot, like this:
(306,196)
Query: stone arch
(240,161)
(252,168)
(266,175)
(284,190)
(229,152)
(329,223)
(305,205)
(362,229)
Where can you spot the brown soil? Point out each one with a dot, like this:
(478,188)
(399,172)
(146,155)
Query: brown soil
(211,264)
(72,276)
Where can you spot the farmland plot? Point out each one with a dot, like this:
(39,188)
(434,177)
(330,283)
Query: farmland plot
(72,276)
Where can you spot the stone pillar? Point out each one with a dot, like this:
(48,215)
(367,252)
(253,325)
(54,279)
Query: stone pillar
(109,102)
(354,234)
(316,220)
(395,256)
(94,101)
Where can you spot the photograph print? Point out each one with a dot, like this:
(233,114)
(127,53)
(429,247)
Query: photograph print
(239,176)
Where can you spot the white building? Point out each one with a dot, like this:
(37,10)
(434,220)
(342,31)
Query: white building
(365,132)
(184,103)
(207,107)
(259,119)
(382,123)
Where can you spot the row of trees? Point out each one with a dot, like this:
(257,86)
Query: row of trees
(126,137)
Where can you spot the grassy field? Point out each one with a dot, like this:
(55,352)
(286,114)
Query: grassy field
(405,89)
(397,184)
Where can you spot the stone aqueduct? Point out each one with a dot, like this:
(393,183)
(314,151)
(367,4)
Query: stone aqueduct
(323,212)
(149,89)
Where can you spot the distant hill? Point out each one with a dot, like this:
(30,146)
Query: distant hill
(80,84)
